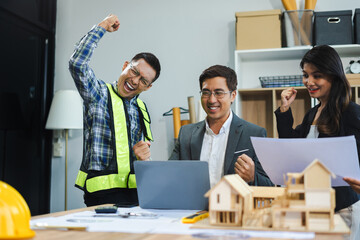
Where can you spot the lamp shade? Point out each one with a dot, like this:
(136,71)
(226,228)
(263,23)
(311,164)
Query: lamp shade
(65,111)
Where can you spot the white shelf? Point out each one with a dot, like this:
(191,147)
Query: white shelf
(350,50)
(272,53)
(287,53)
(251,64)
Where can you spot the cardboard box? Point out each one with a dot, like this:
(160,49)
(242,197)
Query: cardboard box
(333,28)
(258,29)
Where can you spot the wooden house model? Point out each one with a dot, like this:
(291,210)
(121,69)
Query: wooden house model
(307,202)
(232,202)
(229,200)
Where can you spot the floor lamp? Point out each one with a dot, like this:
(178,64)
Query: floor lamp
(65,114)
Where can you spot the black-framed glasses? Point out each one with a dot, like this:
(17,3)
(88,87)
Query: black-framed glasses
(133,72)
(217,93)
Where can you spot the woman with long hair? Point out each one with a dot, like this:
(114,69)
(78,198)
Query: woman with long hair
(335,115)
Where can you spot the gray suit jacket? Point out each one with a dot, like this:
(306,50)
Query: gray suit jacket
(189,144)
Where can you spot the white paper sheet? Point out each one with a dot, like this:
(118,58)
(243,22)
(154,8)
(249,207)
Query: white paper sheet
(167,222)
(280,156)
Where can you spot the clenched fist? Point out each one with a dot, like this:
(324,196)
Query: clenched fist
(245,168)
(142,150)
(287,97)
(111,23)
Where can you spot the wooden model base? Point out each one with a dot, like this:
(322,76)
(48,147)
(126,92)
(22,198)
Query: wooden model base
(340,227)
(305,204)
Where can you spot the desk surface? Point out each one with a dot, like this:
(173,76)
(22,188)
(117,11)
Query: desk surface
(84,235)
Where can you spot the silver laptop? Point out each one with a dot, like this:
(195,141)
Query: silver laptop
(172,184)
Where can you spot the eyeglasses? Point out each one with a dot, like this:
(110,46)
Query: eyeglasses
(133,72)
(219,94)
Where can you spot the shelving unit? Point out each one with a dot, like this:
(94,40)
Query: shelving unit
(256,104)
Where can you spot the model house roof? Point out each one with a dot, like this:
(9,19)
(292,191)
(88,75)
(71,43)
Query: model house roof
(234,181)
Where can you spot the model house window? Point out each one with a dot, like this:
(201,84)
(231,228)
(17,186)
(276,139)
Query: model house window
(231,217)
(226,217)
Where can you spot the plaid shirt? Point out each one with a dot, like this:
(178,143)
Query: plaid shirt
(98,137)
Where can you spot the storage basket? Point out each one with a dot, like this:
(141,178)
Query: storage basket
(281,81)
(333,28)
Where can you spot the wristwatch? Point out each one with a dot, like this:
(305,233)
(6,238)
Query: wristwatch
(354,66)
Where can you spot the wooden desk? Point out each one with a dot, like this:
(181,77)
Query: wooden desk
(84,235)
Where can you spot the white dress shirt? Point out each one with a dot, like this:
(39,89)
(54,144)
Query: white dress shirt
(313,132)
(213,150)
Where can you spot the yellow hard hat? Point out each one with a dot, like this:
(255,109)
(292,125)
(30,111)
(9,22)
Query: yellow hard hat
(14,214)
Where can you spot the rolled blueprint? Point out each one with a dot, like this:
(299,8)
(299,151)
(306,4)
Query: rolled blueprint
(177,121)
(192,113)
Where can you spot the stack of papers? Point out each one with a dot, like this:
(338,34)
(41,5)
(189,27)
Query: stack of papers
(153,222)
(281,156)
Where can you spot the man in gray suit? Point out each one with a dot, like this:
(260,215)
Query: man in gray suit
(222,139)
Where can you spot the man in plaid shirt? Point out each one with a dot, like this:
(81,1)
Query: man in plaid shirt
(116,122)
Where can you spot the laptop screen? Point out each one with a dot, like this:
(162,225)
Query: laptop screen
(172,184)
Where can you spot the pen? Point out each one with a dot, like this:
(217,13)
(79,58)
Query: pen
(47,226)
(195,217)
(241,151)
(129,215)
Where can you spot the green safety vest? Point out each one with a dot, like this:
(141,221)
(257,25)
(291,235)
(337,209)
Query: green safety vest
(123,178)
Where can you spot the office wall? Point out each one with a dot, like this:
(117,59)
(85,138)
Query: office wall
(187,36)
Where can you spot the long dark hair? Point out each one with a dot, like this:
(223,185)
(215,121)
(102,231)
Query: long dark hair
(328,62)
